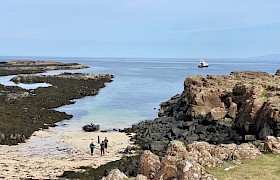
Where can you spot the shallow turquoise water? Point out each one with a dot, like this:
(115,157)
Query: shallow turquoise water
(140,85)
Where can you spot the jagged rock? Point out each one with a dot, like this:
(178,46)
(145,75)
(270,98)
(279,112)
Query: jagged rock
(272,144)
(278,72)
(215,155)
(248,151)
(176,148)
(200,129)
(180,163)
(166,106)
(250,138)
(249,98)
(218,113)
(115,174)
(232,110)
(158,145)
(176,165)
(141,177)
(217,109)
(149,164)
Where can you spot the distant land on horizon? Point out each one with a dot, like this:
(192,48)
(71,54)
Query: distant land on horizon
(2,57)
(268,56)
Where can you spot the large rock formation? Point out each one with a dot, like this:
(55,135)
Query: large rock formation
(180,163)
(248,101)
(242,106)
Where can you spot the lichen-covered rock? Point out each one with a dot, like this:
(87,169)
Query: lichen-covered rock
(272,144)
(248,151)
(182,163)
(218,113)
(232,110)
(141,177)
(178,164)
(250,99)
(176,148)
(215,155)
(149,164)
(115,174)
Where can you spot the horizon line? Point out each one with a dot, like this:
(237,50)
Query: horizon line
(111,57)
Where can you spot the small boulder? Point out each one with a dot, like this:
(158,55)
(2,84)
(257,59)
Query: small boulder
(141,177)
(149,164)
(277,72)
(158,145)
(218,113)
(232,111)
(250,138)
(115,174)
(272,144)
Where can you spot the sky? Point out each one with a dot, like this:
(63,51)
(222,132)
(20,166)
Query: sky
(139,28)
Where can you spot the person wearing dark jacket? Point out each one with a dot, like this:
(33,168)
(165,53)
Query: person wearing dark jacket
(91,146)
(102,147)
(106,143)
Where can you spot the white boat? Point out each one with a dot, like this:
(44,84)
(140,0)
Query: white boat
(202,64)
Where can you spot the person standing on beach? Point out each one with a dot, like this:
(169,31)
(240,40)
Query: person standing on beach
(106,143)
(102,147)
(91,148)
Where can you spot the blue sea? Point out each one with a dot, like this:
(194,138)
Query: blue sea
(139,85)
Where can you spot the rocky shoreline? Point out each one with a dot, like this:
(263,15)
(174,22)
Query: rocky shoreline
(214,118)
(24,111)
(31,67)
(236,108)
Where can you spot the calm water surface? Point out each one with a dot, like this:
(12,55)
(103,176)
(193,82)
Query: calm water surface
(139,86)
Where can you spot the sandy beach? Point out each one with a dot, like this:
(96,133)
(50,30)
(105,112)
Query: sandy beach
(48,153)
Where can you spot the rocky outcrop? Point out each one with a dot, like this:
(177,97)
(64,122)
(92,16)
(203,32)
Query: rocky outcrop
(141,177)
(24,111)
(242,106)
(155,135)
(78,76)
(272,144)
(176,165)
(248,101)
(180,163)
(149,164)
(115,174)
(277,72)
(84,76)
(209,155)
(31,67)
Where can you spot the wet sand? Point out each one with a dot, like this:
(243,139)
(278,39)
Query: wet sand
(48,153)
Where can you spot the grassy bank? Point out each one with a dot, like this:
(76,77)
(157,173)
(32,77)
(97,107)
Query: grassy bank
(267,167)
